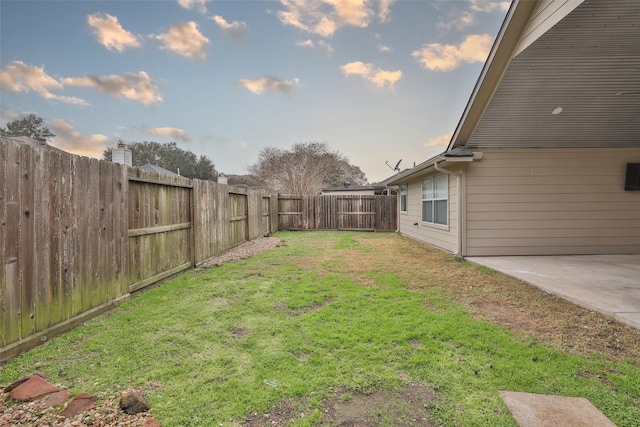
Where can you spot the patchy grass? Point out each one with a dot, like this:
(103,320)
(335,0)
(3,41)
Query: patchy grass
(370,329)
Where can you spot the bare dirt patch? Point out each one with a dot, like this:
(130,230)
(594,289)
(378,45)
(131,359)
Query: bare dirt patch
(406,406)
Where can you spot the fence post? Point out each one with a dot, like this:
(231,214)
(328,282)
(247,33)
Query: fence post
(192,229)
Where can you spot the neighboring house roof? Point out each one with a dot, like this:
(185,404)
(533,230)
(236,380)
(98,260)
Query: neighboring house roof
(244,181)
(32,142)
(156,168)
(561,74)
(354,188)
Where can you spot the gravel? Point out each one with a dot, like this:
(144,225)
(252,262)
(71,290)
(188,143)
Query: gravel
(244,250)
(105,413)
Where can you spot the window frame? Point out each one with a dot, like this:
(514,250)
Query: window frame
(434,195)
(404,192)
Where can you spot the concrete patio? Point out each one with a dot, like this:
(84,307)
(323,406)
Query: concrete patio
(609,284)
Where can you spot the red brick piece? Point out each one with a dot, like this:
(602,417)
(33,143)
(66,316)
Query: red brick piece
(55,399)
(33,388)
(82,403)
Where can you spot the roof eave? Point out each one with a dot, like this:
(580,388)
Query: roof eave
(494,68)
(417,170)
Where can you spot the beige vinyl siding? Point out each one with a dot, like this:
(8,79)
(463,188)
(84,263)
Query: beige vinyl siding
(551,202)
(547,14)
(444,237)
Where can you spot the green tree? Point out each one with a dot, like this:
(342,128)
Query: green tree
(30,125)
(304,169)
(171,157)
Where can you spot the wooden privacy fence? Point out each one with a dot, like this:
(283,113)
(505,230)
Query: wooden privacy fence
(79,235)
(338,212)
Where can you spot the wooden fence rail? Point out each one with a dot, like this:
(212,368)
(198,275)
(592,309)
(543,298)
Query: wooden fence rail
(78,235)
(337,212)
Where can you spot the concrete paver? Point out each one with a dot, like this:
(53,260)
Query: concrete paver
(540,410)
(609,284)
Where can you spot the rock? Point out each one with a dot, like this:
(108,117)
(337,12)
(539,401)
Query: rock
(81,403)
(20,380)
(132,402)
(55,399)
(151,422)
(33,388)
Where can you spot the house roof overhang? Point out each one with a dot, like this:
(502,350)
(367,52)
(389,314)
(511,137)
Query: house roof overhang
(585,58)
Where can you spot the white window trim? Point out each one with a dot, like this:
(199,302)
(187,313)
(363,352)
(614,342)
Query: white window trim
(434,199)
(406,198)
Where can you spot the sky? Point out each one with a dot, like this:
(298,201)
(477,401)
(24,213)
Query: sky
(377,80)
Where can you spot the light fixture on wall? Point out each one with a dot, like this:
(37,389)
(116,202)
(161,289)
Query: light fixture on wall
(557,111)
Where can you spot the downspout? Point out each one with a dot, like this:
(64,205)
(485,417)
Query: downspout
(458,176)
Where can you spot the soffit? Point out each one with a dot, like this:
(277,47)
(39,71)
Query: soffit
(588,64)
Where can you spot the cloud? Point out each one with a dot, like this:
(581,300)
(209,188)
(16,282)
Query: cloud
(20,77)
(241,145)
(186,40)
(110,33)
(324,17)
(168,132)
(440,140)
(460,21)
(467,18)
(439,57)
(237,30)
(69,139)
(259,86)
(384,11)
(136,87)
(199,5)
(321,46)
(384,48)
(376,76)
(489,5)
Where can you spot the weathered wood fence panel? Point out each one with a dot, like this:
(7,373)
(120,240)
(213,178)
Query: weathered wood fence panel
(159,227)
(337,212)
(78,235)
(61,242)
(291,213)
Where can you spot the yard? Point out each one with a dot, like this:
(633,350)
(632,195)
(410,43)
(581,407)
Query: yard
(340,328)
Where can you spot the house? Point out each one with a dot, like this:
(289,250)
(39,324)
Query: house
(355,190)
(156,168)
(538,162)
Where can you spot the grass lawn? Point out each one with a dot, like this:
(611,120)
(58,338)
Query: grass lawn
(375,320)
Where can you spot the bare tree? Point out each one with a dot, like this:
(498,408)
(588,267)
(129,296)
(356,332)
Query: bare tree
(304,169)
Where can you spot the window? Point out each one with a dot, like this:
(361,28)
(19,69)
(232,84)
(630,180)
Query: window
(403,198)
(434,199)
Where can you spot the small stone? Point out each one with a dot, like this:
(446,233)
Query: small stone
(32,389)
(132,402)
(81,403)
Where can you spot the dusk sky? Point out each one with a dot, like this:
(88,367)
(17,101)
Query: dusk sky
(376,80)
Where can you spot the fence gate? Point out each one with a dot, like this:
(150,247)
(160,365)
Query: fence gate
(160,237)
